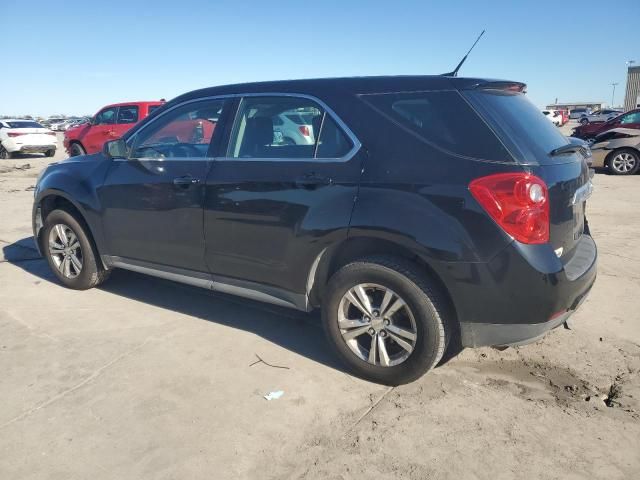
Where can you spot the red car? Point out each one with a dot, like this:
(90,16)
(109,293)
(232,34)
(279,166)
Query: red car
(630,119)
(108,124)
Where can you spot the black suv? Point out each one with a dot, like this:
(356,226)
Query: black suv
(415,211)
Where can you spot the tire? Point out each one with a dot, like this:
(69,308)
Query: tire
(4,155)
(49,153)
(584,121)
(77,150)
(426,315)
(91,273)
(625,161)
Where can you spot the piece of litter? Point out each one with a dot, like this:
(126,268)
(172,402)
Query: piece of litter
(274,395)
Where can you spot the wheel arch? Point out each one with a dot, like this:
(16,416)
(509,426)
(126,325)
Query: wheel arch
(331,259)
(51,200)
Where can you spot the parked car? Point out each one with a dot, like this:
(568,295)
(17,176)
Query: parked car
(25,136)
(565,117)
(56,124)
(599,116)
(430,211)
(576,113)
(294,128)
(554,117)
(617,150)
(588,132)
(109,123)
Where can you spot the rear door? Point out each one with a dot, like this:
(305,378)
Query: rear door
(101,130)
(531,141)
(128,116)
(274,203)
(152,202)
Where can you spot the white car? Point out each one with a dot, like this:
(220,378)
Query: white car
(26,136)
(599,116)
(294,128)
(553,116)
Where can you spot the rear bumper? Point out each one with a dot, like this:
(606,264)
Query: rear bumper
(521,294)
(35,148)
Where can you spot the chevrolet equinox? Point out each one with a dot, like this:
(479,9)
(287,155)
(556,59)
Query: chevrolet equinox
(417,210)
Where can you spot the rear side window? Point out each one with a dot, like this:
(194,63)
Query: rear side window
(286,127)
(443,119)
(519,124)
(128,114)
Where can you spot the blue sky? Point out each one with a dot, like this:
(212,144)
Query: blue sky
(72,57)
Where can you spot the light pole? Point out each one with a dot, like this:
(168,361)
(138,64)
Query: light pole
(614,92)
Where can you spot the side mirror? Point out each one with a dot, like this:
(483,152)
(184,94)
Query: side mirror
(115,149)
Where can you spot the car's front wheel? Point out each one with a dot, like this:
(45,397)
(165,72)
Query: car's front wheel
(584,121)
(77,150)
(68,248)
(386,320)
(624,162)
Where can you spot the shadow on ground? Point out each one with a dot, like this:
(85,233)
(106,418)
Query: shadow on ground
(296,331)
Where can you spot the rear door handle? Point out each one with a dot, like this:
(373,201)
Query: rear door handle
(185,181)
(311,180)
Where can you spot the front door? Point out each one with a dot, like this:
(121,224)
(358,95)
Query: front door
(279,196)
(152,202)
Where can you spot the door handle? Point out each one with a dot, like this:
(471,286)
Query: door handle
(311,180)
(185,181)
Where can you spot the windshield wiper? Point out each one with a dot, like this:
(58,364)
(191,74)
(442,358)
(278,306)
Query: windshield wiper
(565,149)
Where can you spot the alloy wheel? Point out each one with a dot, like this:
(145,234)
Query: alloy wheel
(65,250)
(377,325)
(623,162)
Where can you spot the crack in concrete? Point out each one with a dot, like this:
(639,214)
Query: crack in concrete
(368,411)
(95,374)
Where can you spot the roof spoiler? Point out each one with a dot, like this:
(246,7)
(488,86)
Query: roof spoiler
(517,87)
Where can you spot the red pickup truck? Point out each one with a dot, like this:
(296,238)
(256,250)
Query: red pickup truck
(109,123)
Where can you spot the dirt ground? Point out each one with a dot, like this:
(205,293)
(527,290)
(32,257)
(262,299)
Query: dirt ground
(147,379)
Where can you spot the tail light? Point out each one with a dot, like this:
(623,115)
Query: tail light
(15,134)
(518,202)
(304,130)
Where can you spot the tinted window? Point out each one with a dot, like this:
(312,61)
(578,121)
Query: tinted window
(25,124)
(519,123)
(106,117)
(128,114)
(631,118)
(184,132)
(442,119)
(264,129)
(333,142)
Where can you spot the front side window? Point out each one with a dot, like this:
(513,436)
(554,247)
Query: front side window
(286,127)
(184,132)
(106,117)
(128,114)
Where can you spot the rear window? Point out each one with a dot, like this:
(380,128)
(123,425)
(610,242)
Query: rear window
(519,123)
(25,124)
(442,119)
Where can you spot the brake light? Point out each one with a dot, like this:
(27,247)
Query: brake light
(15,134)
(517,202)
(304,130)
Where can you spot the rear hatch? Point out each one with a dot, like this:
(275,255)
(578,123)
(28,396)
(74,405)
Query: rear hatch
(537,144)
(26,132)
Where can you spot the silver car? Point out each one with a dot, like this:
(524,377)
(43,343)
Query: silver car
(599,116)
(618,150)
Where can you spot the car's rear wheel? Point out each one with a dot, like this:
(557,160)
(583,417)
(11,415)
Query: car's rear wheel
(49,153)
(584,121)
(624,162)
(386,320)
(77,150)
(69,250)
(3,153)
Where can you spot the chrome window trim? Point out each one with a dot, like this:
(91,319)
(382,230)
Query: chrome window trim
(343,126)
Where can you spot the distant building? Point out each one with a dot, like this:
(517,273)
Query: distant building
(632,97)
(571,105)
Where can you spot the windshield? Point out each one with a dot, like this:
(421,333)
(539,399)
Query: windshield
(519,124)
(25,124)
